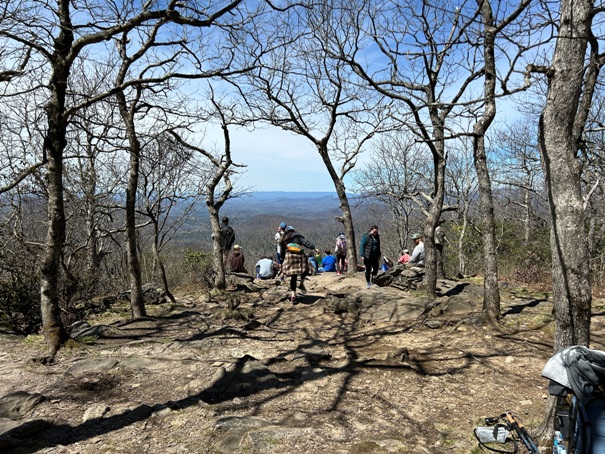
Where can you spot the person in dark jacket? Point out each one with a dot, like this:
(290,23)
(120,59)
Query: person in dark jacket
(226,239)
(295,261)
(237,260)
(370,250)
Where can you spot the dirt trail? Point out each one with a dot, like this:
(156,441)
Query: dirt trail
(332,374)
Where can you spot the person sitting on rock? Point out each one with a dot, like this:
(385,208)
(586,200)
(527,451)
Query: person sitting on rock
(265,268)
(237,260)
(417,258)
(328,263)
(313,267)
(405,257)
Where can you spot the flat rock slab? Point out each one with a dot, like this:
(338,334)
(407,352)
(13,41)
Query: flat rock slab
(392,309)
(17,404)
(91,366)
(251,434)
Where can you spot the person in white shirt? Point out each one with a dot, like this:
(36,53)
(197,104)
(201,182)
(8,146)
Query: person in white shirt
(418,252)
(278,235)
(265,268)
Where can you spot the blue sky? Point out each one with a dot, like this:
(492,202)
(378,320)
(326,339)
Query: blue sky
(279,161)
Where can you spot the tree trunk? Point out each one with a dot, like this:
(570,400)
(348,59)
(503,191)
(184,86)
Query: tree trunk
(220,280)
(52,325)
(558,140)
(159,263)
(461,255)
(137,302)
(528,211)
(558,147)
(347,218)
(434,213)
(54,145)
(92,246)
(491,292)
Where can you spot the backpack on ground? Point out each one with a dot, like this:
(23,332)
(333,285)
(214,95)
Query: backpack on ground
(579,373)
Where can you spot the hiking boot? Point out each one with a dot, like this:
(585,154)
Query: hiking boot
(302,289)
(369,285)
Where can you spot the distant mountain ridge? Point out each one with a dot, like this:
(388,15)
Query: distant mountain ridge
(303,204)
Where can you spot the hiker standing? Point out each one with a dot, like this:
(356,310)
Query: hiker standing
(370,248)
(278,235)
(340,251)
(440,241)
(295,262)
(227,238)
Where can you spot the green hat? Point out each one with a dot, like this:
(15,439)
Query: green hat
(416,236)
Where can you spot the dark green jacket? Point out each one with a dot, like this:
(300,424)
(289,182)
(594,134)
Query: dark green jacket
(370,246)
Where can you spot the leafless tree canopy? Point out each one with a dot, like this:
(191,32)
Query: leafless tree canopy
(110,160)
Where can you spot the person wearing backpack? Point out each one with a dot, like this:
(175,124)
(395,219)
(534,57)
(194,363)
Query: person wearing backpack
(295,261)
(340,251)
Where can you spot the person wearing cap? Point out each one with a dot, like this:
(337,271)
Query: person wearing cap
(226,239)
(340,252)
(417,258)
(369,247)
(295,262)
(280,232)
(405,257)
(237,260)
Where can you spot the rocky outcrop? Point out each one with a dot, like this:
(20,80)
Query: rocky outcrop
(400,277)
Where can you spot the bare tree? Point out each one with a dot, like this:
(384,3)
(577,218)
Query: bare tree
(571,83)
(521,171)
(462,187)
(169,191)
(420,47)
(218,176)
(492,27)
(570,89)
(395,175)
(301,88)
(54,38)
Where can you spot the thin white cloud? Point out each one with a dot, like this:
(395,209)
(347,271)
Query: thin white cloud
(279,161)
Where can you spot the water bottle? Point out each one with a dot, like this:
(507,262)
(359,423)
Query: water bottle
(558,446)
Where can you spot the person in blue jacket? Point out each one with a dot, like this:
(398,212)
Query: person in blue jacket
(329,262)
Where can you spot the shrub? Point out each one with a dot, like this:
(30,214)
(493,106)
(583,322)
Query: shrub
(20,304)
